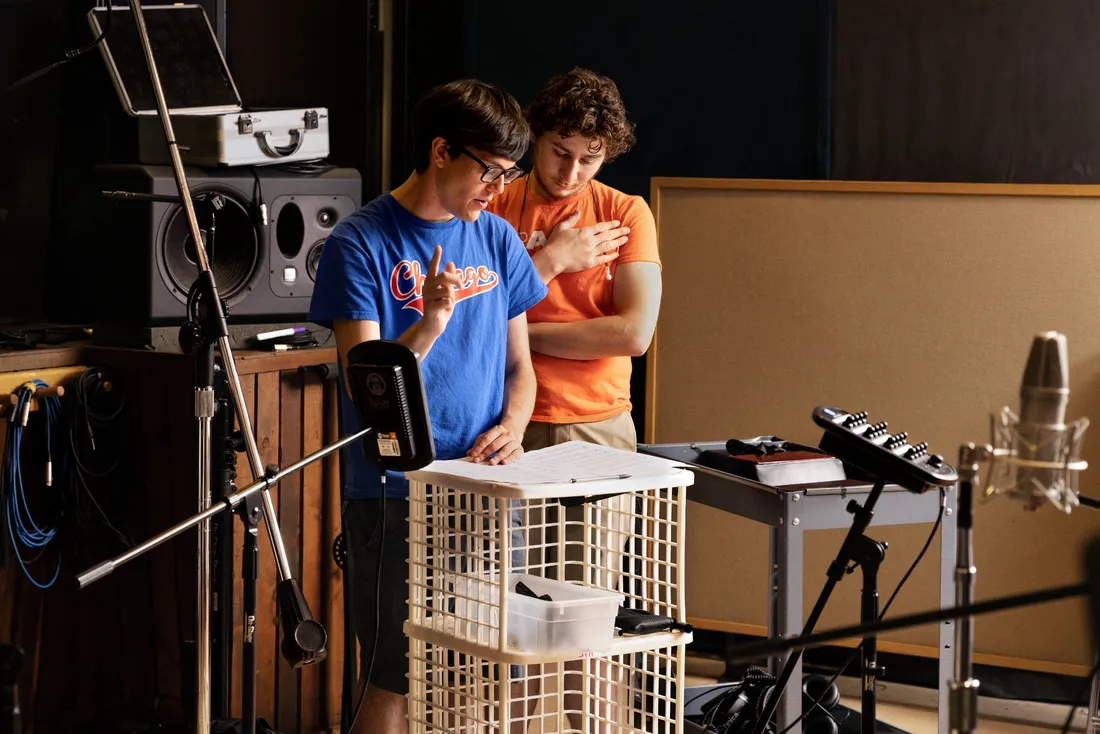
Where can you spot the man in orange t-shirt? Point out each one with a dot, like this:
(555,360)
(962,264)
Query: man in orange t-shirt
(596,249)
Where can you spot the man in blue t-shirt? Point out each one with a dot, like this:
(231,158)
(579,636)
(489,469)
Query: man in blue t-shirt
(425,266)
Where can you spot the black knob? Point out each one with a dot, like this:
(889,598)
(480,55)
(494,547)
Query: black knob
(190,337)
(935,461)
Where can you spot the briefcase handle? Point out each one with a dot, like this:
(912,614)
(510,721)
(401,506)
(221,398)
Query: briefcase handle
(297,137)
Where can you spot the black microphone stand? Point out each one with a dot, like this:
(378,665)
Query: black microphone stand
(869,555)
(303,637)
(854,543)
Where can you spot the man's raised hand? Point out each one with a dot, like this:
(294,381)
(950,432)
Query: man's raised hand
(439,292)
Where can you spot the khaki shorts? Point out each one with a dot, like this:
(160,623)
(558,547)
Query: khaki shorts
(617,431)
(613,517)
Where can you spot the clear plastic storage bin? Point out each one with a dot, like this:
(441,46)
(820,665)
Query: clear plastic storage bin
(576,619)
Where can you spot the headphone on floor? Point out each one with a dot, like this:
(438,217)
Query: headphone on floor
(819,717)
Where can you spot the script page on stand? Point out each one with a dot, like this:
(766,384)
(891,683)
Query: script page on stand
(574,461)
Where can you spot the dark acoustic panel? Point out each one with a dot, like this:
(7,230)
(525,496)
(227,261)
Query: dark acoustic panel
(993,91)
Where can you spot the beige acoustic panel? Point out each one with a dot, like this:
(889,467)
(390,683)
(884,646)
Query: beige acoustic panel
(916,303)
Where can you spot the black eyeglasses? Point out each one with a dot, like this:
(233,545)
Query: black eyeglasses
(493,172)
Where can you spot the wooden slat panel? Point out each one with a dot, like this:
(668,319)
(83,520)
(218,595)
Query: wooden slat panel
(183,490)
(289,490)
(132,588)
(248,387)
(313,551)
(266,422)
(155,416)
(332,578)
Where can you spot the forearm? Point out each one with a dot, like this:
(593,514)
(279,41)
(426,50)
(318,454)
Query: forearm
(419,338)
(608,336)
(519,398)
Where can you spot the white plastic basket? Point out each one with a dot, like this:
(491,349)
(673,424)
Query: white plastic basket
(564,664)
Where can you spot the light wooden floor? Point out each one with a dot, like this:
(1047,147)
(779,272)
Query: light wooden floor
(913,719)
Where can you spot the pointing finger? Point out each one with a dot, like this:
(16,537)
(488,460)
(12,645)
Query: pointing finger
(437,256)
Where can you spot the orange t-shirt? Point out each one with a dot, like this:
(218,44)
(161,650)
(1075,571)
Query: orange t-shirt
(569,390)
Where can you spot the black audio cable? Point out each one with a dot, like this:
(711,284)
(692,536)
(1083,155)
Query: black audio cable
(69,56)
(96,445)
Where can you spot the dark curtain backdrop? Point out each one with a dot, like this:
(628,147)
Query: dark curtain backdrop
(722,89)
(982,90)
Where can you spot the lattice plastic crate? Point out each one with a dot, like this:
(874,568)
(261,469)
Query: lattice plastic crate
(591,547)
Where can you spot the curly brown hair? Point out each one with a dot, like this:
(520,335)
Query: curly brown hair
(583,103)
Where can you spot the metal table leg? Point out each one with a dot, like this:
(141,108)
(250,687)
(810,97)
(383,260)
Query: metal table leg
(785,613)
(947,599)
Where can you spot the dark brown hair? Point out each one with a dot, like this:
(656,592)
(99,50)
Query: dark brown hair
(471,114)
(583,103)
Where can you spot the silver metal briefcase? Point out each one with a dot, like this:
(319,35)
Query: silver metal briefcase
(210,123)
(255,138)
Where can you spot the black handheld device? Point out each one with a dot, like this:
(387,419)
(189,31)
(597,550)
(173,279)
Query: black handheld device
(387,387)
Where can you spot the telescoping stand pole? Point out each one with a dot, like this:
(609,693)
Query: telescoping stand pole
(303,638)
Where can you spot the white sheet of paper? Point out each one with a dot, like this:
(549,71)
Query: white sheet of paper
(572,461)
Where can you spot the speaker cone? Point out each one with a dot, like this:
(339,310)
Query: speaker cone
(232,245)
(313,259)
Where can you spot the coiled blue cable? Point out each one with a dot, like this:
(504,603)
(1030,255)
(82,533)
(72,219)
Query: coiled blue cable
(23,530)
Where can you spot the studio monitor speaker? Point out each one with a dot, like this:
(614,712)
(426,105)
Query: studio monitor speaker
(131,260)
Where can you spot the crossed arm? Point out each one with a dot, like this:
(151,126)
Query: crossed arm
(637,299)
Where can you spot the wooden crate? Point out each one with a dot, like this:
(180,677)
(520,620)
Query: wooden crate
(112,655)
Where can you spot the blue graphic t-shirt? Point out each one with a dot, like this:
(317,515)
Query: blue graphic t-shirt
(372,268)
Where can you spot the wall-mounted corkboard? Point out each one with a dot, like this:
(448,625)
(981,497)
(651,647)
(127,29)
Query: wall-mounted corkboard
(914,302)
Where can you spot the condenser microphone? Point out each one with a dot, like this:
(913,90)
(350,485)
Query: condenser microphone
(1036,454)
(1044,393)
